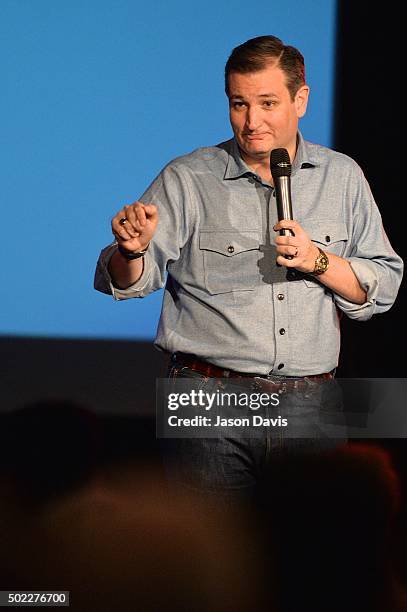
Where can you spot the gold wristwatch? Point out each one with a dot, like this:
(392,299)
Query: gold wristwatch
(321,263)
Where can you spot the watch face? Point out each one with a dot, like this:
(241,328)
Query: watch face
(321,263)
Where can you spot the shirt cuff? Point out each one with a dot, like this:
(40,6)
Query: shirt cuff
(135,290)
(367,276)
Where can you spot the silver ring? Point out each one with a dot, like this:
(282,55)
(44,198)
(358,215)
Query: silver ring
(123,220)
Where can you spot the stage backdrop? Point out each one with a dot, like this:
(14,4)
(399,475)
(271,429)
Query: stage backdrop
(97,96)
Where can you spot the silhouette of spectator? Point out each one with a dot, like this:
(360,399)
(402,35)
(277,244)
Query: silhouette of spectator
(330,520)
(49,448)
(110,531)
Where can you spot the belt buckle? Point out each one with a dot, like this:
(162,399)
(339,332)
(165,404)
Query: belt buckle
(257,383)
(300,384)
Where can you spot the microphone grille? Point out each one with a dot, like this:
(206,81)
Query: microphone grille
(280,163)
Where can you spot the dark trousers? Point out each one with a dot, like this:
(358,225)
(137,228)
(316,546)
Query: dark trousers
(229,462)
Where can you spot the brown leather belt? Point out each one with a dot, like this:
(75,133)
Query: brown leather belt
(254,380)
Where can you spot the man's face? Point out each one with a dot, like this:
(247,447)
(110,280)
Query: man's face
(262,114)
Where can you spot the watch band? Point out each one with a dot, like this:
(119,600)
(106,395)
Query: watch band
(129,255)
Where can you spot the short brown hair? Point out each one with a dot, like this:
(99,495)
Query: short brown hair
(256,53)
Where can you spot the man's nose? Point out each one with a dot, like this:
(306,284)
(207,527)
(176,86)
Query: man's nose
(252,119)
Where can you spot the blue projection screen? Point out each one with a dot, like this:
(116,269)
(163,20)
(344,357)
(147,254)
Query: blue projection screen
(97,96)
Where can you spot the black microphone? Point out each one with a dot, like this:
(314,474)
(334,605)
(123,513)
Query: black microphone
(280,166)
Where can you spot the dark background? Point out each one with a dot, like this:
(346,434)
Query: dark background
(368,123)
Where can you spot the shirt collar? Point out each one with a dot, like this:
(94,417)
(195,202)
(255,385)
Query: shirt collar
(237,167)
(305,156)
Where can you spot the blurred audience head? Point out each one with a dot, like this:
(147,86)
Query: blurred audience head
(330,515)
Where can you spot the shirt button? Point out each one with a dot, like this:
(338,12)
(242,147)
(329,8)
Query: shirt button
(280,366)
(282,331)
(280,296)
(327,238)
(231,249)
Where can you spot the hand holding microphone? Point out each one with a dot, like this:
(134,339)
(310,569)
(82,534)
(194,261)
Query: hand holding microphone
(293,238)
(280,166)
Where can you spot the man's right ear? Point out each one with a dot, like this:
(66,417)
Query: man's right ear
(301,100)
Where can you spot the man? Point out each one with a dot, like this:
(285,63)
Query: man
(241,299)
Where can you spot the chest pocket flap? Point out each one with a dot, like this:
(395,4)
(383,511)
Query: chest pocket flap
(331,236)
(229,243)
(230,260)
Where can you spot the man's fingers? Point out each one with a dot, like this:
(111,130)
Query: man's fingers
(286,261)
(289,251)
(135,221)
(124,232)
(151,210)
(124,236)
(140,214)
(283,240)
(131,216)
(125,224)
(286,224)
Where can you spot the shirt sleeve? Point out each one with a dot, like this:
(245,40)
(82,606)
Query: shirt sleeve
(104,282)
(170,192)
(375,264)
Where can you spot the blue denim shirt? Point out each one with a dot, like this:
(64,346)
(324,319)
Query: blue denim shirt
(225,298)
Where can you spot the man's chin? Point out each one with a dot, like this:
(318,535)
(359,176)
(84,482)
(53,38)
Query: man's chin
(256,152)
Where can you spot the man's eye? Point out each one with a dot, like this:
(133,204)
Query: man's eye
(268,103)
(237,104)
